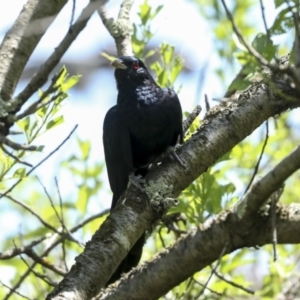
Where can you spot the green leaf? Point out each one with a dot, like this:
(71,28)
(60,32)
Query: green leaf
(31,129)
(85,147)
(156,11)
(163,78)
(40,148)
(283,22)
(279,2)
(176,69)
(20,173)
(83,197)
(24,123)
(61,77)
(55,122)
(264,46)
(144,13)
(150,53)
(69,83)
(42,112)
(167,52)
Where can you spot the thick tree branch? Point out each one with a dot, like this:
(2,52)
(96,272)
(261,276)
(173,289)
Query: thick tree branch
(243,226)
(263,189)
(21,40)
(200,248)
(84,281)
(223,127)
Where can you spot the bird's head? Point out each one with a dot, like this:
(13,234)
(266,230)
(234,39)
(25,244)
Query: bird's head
(131,71)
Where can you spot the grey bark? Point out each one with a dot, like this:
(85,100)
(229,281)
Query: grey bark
(223,127)
(240,227)
(200,248)
(119,29)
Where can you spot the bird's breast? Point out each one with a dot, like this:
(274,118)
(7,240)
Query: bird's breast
(149,117)
(146,116)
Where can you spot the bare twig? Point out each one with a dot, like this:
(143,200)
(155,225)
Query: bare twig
(14,157)
(296,47)
(47,225)
(60,203)
(31,269)
(41,162)
(73,13)
(170,221)
(260,157)
(119,29)
(251,50)
(39,103)
(207,105)
(36,106)
(74,229)
(14,291)
(274,229)
(274,199)
(14,132)
(53,245)
(207,288)
(263,189)
(45,263)
(190,119)
(262,8)
(16,251)
(63,224)
(4,140)
(19,282)
(64,229)
(213,270)
(220,276)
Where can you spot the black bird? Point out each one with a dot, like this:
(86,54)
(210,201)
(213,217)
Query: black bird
(144,123)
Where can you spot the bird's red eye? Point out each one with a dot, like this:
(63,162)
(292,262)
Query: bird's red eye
(136,65)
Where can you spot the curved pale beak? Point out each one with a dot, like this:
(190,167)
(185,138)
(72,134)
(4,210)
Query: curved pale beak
(118,64)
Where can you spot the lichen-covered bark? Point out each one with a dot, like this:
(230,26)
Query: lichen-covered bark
(121,28)
(103,253)
(243,226)
(222,128)
(200,248)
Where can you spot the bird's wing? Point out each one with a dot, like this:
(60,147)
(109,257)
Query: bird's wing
(118,153)
(174,108)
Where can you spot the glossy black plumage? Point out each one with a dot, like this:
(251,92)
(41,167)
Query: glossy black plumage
(143,124)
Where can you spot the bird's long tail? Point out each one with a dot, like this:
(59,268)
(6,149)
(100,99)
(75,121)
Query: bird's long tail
(130,261)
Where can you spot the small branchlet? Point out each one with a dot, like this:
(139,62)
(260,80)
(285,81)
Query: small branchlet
(4,140)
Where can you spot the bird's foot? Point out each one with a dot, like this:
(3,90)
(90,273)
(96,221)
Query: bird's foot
(137,181)
(172,152)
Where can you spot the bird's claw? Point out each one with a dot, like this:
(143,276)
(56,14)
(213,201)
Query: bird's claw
(137,181)
(173,154)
